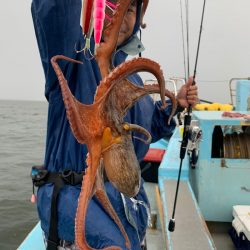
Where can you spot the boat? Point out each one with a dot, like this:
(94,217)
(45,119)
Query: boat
(214,183)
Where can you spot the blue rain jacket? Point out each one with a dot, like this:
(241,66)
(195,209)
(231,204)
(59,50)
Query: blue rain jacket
(57,30)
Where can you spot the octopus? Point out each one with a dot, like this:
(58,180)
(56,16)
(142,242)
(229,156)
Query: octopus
(102,128)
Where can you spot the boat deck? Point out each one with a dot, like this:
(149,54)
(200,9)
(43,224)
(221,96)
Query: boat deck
(191,233)
(189,221)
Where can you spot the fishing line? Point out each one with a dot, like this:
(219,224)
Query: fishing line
(198,49)
(187,28)
(187,121)
(183,43)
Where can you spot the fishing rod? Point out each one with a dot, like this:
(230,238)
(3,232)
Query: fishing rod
(187,121)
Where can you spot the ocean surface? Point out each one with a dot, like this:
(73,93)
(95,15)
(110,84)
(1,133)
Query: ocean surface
(22,140)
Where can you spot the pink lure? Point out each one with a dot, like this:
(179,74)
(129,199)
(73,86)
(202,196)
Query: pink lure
(99,16)
(33,198)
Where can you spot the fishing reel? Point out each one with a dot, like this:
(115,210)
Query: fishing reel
(194,137)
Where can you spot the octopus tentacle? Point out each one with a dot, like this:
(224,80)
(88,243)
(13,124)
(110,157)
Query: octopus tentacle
(104,200)
(84,198)
(130,67)
(80,219)
(87,191)
(122,95)
(154,88)
(110,36)
(70,102)
(111,31)
(139,129)
(77,112)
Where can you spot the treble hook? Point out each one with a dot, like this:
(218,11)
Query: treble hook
(86,49)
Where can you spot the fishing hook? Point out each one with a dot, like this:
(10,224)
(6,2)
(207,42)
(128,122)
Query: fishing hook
(87,46)
(86,50)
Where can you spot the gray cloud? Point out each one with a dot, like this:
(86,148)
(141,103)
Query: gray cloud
(224,51)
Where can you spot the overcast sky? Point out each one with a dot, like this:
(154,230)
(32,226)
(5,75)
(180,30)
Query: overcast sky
(224,50)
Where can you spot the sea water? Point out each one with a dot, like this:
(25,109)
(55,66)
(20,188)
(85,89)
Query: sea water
(22,141)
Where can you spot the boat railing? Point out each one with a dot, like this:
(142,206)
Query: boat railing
(179,81)
(175,81)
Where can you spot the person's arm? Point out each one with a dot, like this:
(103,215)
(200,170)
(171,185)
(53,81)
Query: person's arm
(57,29)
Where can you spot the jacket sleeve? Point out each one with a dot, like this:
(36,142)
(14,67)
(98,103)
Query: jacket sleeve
(57,29)
(159,126)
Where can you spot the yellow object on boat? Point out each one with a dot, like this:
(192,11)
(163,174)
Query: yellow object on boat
(213,107)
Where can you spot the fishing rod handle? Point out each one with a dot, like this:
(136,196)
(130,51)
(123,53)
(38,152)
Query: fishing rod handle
(171,225)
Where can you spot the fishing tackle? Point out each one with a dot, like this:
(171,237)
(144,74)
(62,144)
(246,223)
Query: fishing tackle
(99,16)
(110,5)
(187,121)
(93,15)
(87,8)
(87,47)
(112,8)
(87,28)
